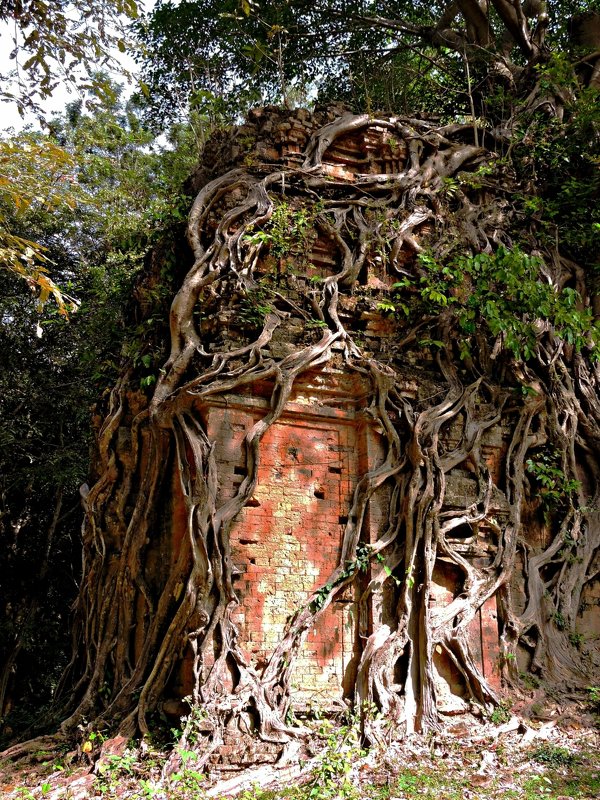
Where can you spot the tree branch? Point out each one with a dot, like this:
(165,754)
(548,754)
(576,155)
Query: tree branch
(477,21)
(511,14)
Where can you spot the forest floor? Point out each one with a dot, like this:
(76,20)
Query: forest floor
(555,759)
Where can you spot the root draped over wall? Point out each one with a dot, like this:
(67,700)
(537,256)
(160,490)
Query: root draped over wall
(142,604)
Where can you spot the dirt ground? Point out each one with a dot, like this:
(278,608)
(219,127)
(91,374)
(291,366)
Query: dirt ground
(555,757)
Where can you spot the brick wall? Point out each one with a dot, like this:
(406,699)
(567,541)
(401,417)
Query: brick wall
(286,541)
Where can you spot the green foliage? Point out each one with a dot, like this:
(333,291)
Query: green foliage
(285,52)
(409,577)
(557,772)
(93,198)
(500,714)
(359,564)
(428,782)
(187,780)
(316,324)
(560,157)
(131,186)
(576,639)
(505,293)
(44,407)
(288,233)
(553,755)
(320,597)
(371,56)
(529,681)
(116,766)
(254,306)
(396,305)
(53,39)
(331,775)
(182,75)
(555,488)
(36,177)
(594,698)
(95,178)
(141,775)
(559,620)
(363,557)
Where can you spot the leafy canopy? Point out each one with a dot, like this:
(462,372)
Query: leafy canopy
(221,57)
(53,39)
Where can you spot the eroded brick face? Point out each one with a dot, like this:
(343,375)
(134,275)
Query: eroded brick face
(286,542)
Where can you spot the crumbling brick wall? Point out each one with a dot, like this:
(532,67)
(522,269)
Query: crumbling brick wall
(286,542)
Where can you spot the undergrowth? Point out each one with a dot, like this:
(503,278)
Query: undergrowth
(447,769)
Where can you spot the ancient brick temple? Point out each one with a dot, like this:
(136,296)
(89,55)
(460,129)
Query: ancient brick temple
(287,540)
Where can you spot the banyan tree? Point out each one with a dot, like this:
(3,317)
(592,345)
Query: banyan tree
(366,472)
